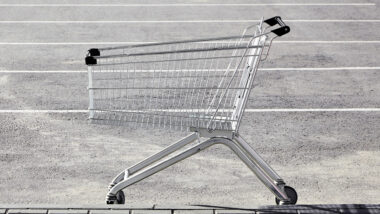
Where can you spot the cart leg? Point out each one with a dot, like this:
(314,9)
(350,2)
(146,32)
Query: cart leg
(259,160)
(276,179)
(279,192)
(117,179)
(154,158)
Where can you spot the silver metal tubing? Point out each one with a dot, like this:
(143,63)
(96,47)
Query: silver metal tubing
(164,88)
(161,112)
(196,40)
(180,51)
(90,93)
(174,60)
(165,152)
(245,80)
(267,50)
(276,190)
(117,179)
(250,80)
(177,42)
(231,79)
(192,74)
(170,149)
(258,159)
(201,84)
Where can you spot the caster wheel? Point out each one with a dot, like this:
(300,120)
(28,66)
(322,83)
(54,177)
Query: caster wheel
(292,195)
(119,198)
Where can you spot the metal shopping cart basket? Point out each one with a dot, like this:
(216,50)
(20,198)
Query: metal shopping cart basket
(200,85)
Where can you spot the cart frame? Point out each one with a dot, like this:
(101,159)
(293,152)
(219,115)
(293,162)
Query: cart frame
(229,137)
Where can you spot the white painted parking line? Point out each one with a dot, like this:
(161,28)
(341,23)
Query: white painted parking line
(43,111)
(188,5)
(316,110)
(131,43)
(41,71)
(329,42)
(247,110)
(261,69)
(182,21)
(321,69)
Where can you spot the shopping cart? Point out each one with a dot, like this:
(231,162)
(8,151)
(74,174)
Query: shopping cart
(199,85)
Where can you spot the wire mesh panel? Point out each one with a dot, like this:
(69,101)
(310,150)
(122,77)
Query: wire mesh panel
(201,83)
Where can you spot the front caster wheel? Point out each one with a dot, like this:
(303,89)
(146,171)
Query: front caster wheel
(292,195)
(119,198)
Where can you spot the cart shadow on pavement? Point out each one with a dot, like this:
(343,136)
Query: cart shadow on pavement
(196,209)
(312,208)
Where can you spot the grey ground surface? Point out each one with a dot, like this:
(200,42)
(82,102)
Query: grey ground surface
(202,209)
(328,157)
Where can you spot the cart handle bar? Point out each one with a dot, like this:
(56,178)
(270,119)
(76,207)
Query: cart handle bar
(175,42)
(271,22)
(282,30)
(181,51)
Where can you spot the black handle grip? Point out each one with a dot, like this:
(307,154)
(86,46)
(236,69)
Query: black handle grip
(283,29)
(90,60)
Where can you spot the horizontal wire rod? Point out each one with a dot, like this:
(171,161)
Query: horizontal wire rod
(64,111)
(182,21)
(169,60)
(342,42)
(163,88)
(200,70)
(181,51)
(178,42)
(192,5)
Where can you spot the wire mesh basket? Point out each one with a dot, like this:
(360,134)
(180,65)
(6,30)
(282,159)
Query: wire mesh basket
(202,83)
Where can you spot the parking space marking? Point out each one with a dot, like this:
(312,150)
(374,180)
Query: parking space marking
(42,71)
(329,42)
(315,110)
(42,111)
(247,110)
(321,69)
(128,43)
(260,69)
(179,21)
(189,5)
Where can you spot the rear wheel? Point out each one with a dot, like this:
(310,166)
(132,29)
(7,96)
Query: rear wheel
(292,195)
(119,198)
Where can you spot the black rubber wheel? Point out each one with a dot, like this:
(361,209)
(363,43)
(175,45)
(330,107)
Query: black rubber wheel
(120,198)
(292,195)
